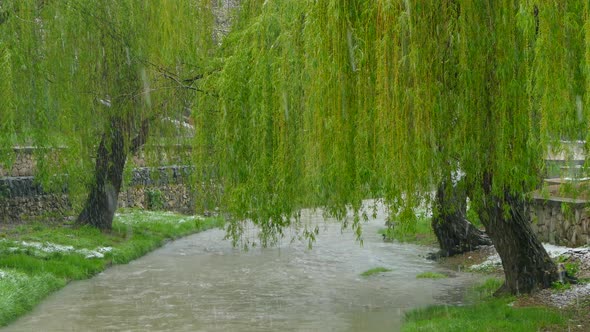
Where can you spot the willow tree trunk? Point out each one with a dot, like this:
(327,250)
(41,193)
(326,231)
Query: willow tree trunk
(527,266)
(101,203)
(454,232)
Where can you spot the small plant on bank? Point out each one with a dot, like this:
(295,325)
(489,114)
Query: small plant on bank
(431,275)
(570,268)
(560,286)
(486,289)
(155,199)
(375,270)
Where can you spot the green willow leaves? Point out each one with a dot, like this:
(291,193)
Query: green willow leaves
(73,69)
(325,103)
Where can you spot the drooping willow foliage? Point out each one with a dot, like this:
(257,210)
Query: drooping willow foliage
(73,71)
(6,107)
(324,103)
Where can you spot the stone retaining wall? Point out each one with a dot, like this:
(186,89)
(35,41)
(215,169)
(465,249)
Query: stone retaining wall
(157,188)
(561,221)
(23,163)
(558,221)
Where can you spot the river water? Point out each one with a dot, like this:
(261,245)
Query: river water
(201,283)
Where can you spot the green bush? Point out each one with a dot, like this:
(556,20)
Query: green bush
(154,199)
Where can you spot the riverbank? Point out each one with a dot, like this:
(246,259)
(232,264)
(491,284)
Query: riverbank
(565,307)
(37,259)
(571,301)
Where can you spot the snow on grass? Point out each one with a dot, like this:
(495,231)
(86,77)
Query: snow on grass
(570,296)
(139,217)
(554,251)
(47,248)
(11,276)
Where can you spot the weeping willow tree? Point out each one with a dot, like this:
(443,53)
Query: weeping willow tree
(7,108)
(324,103)
(96,77)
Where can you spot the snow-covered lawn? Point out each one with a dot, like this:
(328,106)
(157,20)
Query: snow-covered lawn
(553,251)
(42,249)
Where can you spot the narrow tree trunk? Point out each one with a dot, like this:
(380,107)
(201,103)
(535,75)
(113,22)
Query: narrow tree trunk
(101,204)
(527,266)
(454,232)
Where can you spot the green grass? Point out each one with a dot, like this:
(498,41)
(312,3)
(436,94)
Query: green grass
(375,270)
(415,230)
(21,292)
(37,259)
(485,290)
(431,275)
(487,314)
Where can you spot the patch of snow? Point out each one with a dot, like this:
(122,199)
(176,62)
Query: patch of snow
(46,247)
(570,296)
(11,276)
(90,253)
(190,218)
(49,248)
(553,251)
(104,249)
(492,261)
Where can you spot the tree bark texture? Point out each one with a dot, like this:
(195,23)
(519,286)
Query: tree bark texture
(455,234)
(101,203)
(527,266)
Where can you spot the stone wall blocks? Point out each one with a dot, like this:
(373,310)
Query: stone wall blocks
(21,196)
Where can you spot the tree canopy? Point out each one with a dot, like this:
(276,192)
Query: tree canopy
(305,103)
(77,72)
(329,102)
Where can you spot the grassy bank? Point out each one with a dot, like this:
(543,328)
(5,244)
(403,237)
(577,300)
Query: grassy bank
(37,259)
(486,314)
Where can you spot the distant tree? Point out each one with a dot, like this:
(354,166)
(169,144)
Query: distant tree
(97,77)
(325,103)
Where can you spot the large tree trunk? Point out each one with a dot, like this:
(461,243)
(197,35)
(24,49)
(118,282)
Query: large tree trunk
(101,203)
(454,232)
(527,266)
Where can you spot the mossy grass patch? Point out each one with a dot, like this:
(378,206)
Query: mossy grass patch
(431,275)
(374,271)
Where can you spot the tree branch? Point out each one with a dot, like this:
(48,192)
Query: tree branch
(141,138)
